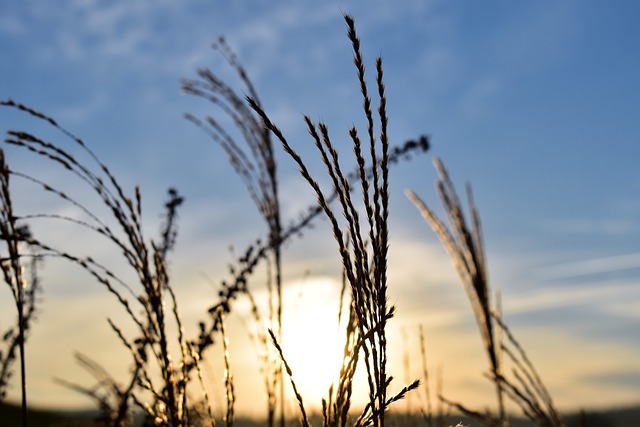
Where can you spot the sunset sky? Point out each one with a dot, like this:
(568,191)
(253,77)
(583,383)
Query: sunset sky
(534,103)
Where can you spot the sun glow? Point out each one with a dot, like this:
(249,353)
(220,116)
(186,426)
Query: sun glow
(312,339)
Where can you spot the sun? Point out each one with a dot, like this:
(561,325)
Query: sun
(312,338)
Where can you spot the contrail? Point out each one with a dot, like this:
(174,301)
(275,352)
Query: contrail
(591,266)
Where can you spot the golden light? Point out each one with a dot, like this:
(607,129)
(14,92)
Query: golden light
(312,339)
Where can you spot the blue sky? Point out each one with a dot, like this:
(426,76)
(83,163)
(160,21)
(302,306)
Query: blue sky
(535,104)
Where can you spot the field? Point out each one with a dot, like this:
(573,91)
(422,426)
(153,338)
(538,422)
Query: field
(611,418)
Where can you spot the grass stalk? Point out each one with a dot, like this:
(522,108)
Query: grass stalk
(465,246)
(365,263)
(13,271)
(255,164)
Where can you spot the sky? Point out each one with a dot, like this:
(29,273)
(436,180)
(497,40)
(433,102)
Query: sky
(533,103)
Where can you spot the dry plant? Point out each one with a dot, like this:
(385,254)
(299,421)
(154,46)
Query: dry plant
(466,249)
(160,375)
(106,393)
(335,408)
(24,290)
(256,165)
(257,168)
(365,261)
(434,414)
(165,364)
(165,401)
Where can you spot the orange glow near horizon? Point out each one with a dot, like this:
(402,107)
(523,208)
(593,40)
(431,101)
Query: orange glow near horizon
(312,339)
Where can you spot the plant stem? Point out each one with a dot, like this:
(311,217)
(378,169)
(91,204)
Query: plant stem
(23,370)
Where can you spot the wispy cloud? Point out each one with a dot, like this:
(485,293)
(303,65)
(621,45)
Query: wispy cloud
(592,225)
(600,315)
(588,267)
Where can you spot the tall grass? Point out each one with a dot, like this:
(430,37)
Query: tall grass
(465,245)
(165,380)
(23,289)
(256,164)
(365,264)
(146,306)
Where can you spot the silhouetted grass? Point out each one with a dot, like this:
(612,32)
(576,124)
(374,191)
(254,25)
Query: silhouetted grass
(24,290)
(165,381)
(466,247)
